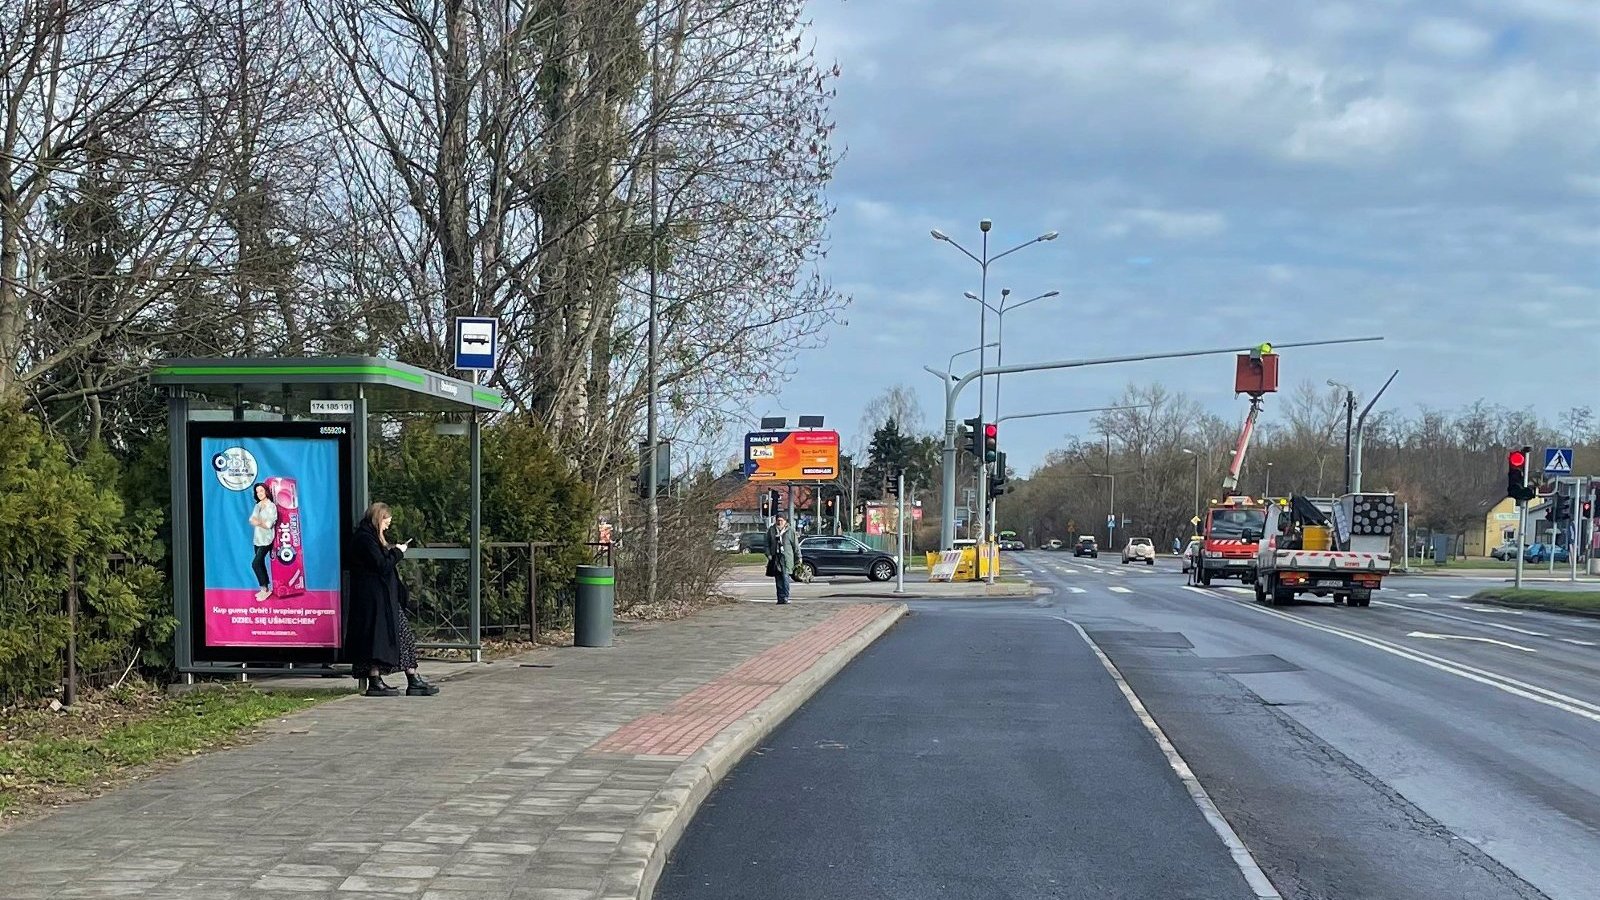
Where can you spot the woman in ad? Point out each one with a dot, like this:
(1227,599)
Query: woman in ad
(380,641)
(263,518)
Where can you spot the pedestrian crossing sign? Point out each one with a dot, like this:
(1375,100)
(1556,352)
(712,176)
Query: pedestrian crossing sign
(1558,460)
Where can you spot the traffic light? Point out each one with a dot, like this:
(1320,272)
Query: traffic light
(1517,475)
(1561,508)
(999,482)
(991,442)
(766,505)
(969,427)
(1588,509)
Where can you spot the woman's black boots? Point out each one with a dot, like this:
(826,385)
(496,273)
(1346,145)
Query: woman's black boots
(376,688)
(416,687)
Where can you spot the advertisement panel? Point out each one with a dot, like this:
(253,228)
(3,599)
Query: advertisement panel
(791,455)
(271,508)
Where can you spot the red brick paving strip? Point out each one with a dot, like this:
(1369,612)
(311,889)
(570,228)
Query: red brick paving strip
(698,716)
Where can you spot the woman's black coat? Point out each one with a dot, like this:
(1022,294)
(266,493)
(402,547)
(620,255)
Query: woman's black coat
(376,595)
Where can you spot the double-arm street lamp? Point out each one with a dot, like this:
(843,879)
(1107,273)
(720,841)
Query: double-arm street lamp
(984,260)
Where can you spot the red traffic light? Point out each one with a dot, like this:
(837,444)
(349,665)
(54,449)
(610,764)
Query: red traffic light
(991,431)
(1516,459)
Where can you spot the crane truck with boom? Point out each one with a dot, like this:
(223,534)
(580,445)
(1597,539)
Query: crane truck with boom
(1230,529)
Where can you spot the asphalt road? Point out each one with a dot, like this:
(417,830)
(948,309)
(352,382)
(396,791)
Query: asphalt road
(1424,747)
(979,750)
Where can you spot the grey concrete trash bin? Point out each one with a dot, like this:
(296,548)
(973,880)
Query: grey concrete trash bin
(595,606)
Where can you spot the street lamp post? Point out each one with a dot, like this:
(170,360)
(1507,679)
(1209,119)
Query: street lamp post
(1111,517)
(1267,491)
(1361,424)
(984,260)
(1196,480)
(1349,425)
(1000,361)
(949,366)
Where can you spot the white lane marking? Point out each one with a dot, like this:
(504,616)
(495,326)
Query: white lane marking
(1458,596)
(1253,876)
(1467,637)
(1077,590)
(1121,590)
(1580,643)
(1241,590)
(1496,609)
(1416,595)
(1201,590)
(1068,571)
(1495,680)
(1440,615)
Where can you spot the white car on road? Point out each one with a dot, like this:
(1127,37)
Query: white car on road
(1139,549)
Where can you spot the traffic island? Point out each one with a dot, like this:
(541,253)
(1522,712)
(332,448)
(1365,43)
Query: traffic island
(1582,603)
(567,774)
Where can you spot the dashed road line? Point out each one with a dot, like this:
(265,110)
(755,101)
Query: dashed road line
(1467,637)
(1490,678)
(1241,590)
(1120,589)
(1580,643)
(1077,590)
(1416,595)
(1440,615)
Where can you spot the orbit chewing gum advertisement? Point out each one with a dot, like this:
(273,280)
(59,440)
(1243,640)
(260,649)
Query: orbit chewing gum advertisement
(271,539)
(288,569)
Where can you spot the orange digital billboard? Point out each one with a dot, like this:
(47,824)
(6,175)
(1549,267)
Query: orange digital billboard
(791,455)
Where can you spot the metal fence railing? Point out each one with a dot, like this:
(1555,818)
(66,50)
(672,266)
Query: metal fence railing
(518,598)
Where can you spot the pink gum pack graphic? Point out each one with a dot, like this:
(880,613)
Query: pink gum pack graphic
(288,568)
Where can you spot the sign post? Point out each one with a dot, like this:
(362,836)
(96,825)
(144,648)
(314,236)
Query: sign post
(900,534)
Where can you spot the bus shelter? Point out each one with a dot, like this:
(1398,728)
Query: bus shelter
(268,460)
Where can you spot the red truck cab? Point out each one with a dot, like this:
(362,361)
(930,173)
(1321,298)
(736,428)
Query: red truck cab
(1232,534)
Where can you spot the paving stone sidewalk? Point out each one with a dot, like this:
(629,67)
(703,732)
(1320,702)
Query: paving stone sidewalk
(553,782)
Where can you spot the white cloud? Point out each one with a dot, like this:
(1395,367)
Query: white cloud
(1518,106)
(1167,223)
(1365,130)
(1450,38)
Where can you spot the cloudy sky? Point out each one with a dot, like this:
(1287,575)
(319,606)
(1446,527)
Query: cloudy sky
(1221,173)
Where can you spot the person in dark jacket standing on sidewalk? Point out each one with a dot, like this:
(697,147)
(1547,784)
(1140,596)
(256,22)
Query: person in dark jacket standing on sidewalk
(379,639)
(783,553)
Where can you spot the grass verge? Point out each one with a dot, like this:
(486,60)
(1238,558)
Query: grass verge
(50,758)
(1558,601)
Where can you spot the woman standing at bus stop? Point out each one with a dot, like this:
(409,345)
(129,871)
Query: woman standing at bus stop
(379,640)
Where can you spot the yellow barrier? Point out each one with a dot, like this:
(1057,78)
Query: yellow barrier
(972,567)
